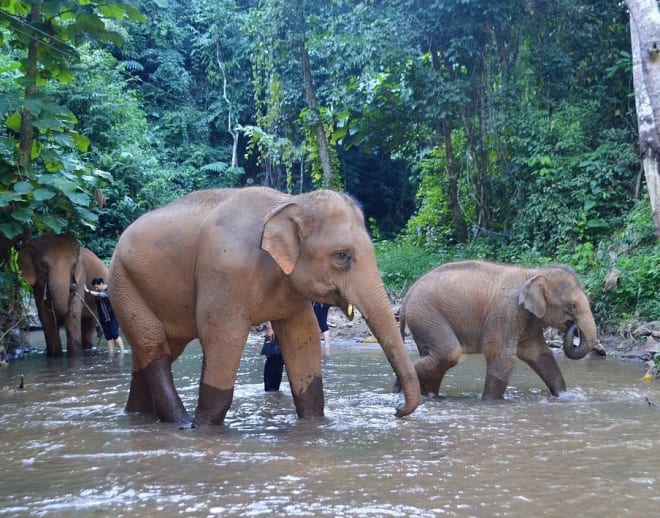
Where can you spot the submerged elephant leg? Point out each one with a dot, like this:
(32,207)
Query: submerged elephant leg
(139,396)
(302,356)
(166,401)
(51,332)
(543,362)
(222,354)
(498,372)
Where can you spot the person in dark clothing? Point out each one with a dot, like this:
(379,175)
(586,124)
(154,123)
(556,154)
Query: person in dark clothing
(321,312)
(274,366)
(106,315)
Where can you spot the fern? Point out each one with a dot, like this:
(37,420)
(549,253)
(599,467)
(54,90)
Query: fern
(215,167)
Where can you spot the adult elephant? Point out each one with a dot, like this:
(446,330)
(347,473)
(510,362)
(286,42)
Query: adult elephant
(57,267)
(214,262)
(498,310)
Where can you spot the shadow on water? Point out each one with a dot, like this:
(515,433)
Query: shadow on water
(68,447)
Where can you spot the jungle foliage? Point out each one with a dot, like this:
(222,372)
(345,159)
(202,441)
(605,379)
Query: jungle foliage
(498,129)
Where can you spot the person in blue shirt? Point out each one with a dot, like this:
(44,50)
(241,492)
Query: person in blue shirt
(107,317)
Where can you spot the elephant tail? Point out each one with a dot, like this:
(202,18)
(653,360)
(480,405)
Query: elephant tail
(401,317)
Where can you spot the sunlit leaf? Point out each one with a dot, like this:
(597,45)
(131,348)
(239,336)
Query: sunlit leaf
(82,142)
(13,122)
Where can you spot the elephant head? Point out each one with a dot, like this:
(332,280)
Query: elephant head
(51,265)
(556,296)
(320,241)
(56,266)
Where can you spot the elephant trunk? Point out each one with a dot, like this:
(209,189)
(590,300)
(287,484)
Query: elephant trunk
(378,313)
(59,296)
(578,341)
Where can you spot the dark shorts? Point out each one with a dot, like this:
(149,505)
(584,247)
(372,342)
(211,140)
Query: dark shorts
(110,329)
(321,312)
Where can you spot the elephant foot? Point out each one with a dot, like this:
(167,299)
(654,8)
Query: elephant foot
(54,353)
(310,403)
(213,405)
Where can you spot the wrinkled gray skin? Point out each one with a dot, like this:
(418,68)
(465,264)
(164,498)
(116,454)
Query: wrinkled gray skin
(215,262)
(500,311)
(57,268)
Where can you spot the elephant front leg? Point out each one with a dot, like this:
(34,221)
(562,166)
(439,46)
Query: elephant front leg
(498,372)
(222,355)
(51,332)
(543,362)
(73,327)
(301,350)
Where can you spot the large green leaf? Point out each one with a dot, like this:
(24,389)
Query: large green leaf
(23,187)
(43,194)
(10,230)
(23,214)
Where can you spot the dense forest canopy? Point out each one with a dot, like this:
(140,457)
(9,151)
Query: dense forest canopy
(503,129)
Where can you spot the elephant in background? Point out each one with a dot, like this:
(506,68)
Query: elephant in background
(57,267)
(498,310)
(215,262)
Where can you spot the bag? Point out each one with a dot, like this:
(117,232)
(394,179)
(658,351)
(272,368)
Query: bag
(271,347)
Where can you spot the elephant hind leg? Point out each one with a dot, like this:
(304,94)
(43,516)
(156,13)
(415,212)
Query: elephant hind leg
(139,396)
(166,402)
(439,352)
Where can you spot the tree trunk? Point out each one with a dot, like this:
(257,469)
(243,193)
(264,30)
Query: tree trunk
(645,43)
(445,128)
(230,110)
(26,134)
(322,141)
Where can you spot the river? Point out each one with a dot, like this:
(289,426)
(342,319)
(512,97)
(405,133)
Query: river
(67,447)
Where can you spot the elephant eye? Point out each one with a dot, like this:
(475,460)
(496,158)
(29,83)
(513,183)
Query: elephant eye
(571,308)
(342,260)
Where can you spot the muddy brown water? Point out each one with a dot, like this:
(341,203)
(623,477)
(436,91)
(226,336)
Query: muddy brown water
(67,447)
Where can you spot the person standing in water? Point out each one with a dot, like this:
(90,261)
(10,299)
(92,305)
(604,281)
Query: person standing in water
(106,315)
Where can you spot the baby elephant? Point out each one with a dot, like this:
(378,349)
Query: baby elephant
(498,310)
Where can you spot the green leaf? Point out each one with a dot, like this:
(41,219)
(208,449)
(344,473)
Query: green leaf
(64,139)
(23,214)
(6,197)
(79,198)
(54,223)
(82,141)
(43,195)
(103,174)
(13,122)
(10,230)
(23,187)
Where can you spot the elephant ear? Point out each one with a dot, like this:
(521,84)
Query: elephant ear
(282,235)
(532,296)
(26,262)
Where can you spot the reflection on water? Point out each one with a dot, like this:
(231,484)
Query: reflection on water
(68,447)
